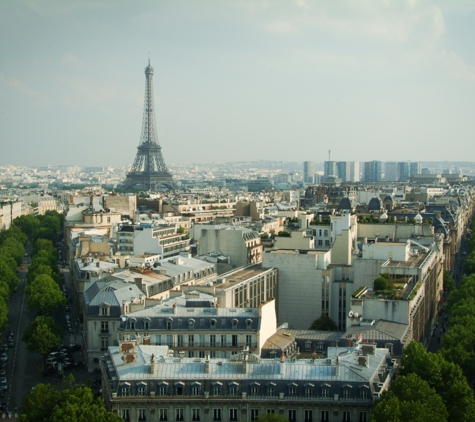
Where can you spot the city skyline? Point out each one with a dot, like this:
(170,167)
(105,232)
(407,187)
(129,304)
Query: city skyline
(237,81)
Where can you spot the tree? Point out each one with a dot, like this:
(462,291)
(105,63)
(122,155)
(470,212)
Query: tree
(449,283)
(9,276)
(380,283)
(15,248)
(45,245)
(43,294)
(324,323)
(445,377)
(458,346)
(271,417)
(43,335)
(27,224)
(15,233)
(45,404)
(410,399)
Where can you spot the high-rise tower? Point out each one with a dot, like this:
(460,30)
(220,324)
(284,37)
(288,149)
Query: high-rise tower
(149,169)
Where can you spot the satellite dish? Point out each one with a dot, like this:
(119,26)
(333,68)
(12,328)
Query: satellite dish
(357,314)
(350,314)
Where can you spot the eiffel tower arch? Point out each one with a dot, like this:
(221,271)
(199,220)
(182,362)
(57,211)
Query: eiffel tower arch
(149,171)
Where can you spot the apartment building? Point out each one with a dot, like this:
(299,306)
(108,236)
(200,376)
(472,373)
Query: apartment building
(141,382)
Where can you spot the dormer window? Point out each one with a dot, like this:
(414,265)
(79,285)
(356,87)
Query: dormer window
(104,309)
(234,323)
(212,323)
(248,323)
(146,324)
(191,323)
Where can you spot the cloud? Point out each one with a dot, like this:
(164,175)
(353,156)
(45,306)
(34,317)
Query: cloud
(71,59)
(20,87)
(457,67)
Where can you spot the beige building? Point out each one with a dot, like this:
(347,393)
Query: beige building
(242,246)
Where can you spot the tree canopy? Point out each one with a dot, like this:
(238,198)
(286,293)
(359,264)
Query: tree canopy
(44,295)
(324,323)
(445,377)
(410,399)
(46,404)
(43,335)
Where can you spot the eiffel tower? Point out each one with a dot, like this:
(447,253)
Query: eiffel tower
(149,169)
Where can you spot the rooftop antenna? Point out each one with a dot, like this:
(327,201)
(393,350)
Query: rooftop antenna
(149,58)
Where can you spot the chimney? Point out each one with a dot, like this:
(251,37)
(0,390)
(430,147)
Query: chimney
(245,358)
(97,264)
(182,354)
(138,282)
(282,364)
(207,365)
(174,308)
(152,364)
(337,367)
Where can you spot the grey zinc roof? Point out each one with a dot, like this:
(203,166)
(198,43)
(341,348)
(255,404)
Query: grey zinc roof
(318,370)
(111,291)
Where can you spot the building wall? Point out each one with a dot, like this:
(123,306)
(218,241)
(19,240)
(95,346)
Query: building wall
(303,283)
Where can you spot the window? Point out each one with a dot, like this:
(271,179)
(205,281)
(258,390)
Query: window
(124,390)
(346,417)
(320,232)
(325,392)
(179,414)
(191,340)
(270,410)
(346,393)
(216,414)
(105,326)
(125,414)
(216,390)
(364,393)
(104,343)
(320,242)
(308,346)
(232,390)
(195,390)
(132,325)
(327,243)
(234,340)
(325,233)
(163,414)
(212,340)
(324,416)
(141,390)
(179,390)
(292,416)
(179,340)
(195,414)
(254,414)
(363,417)
(162,390)
(223,341)
(270,391)
(292,391)
(158,339)
(146,325)
(308,416)
(202,340)
(233,415)
(142,415)
(254,391)
(104,310)
(249,341)
(308,392)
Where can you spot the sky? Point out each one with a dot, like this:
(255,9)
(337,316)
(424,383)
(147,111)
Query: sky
(237,80)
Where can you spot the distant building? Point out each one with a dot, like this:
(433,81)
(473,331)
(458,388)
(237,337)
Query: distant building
(372,171)
(415,168)
(308,172)
(329,169)
(390,172)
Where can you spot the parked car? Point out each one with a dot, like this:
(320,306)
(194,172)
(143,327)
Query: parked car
(4,385)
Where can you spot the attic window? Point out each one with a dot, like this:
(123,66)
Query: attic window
(248,323)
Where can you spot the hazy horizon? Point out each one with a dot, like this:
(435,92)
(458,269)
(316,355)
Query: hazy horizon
(237,80)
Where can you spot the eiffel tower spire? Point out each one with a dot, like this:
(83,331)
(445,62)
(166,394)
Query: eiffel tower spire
(149,169)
